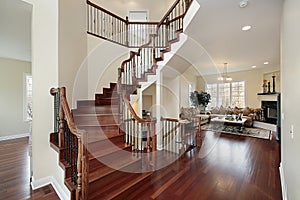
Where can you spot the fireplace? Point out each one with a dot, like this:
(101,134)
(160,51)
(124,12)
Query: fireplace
(270,111)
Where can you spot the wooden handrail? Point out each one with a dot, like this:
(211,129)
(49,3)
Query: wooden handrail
(168,13)
(106,11)
(169,119)
(135,116)
(82,156)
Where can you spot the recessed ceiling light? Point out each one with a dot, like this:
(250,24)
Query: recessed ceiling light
(266,63)
(246,28)
(243,3)
(254,66)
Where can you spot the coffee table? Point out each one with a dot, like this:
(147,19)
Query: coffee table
(239,124)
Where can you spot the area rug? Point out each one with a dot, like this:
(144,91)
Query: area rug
(251,132)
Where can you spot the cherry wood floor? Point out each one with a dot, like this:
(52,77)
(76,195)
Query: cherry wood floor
(225,167)
(15,173)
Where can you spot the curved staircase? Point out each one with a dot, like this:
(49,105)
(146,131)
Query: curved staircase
(98,142)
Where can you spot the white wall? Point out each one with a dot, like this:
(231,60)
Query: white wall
(12,101)
(72,42)
(45,75)
(157,8)
(253,83)
(190,76)
(201,84)
(290,70)
(150,92)
(170,97)
(110,73)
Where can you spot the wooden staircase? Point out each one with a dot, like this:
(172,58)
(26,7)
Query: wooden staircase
(110,159)
(112,166)
(101,157)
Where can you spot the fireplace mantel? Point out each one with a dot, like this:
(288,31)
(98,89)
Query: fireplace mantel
(269,93)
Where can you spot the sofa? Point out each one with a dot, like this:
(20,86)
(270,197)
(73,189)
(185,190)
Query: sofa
(247,113)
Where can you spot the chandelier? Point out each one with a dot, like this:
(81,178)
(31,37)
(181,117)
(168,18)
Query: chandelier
(224,76)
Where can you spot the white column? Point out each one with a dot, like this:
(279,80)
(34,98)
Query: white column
(158,109)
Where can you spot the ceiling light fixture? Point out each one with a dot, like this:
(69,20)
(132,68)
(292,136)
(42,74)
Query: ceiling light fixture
(246,28)
(266,63)
(224,77)
(243,3)
(254,66)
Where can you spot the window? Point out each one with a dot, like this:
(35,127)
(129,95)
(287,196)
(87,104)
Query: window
(27,97)
(227,94)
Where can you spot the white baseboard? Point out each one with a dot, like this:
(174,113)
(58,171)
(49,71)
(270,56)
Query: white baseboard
(35,184)
(283,185)
(10,137)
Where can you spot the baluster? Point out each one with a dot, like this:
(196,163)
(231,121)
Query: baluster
(56,112)
(165,135)
(98,25)
(119,31)
(93,14)
(136,34)
(126,74)
(133,130)
(144,61)
(112,28)
(129,126)
(150,59)
(88,17)
(182,137)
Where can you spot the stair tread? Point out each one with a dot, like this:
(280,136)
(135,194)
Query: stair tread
(124,182)
(110,163)
(95,115)
(104,147)
(98,125)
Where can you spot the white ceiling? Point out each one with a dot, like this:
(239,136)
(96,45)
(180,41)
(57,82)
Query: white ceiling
(15,31)
(215,36)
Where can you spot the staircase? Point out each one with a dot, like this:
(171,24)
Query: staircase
(99,142)
(109,157)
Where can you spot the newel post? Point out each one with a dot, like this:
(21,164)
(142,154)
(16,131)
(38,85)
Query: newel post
(61,115)
(127,31)
(82,167)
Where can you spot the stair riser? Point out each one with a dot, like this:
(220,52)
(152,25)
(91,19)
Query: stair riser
(96,120)
(117,142)
(104,186)
(84,103)
(108,101)
(102,132)
(96,162)
(96,110)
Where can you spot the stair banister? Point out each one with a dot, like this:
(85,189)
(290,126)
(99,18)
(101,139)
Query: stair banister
(74,156)
(149,123)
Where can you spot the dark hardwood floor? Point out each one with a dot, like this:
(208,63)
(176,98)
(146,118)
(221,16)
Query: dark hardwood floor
(225,167)
(15,173)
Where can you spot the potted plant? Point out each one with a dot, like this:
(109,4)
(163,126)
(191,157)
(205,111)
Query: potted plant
(199,99)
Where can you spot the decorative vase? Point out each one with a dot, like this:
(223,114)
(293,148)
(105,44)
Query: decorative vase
(265,87)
